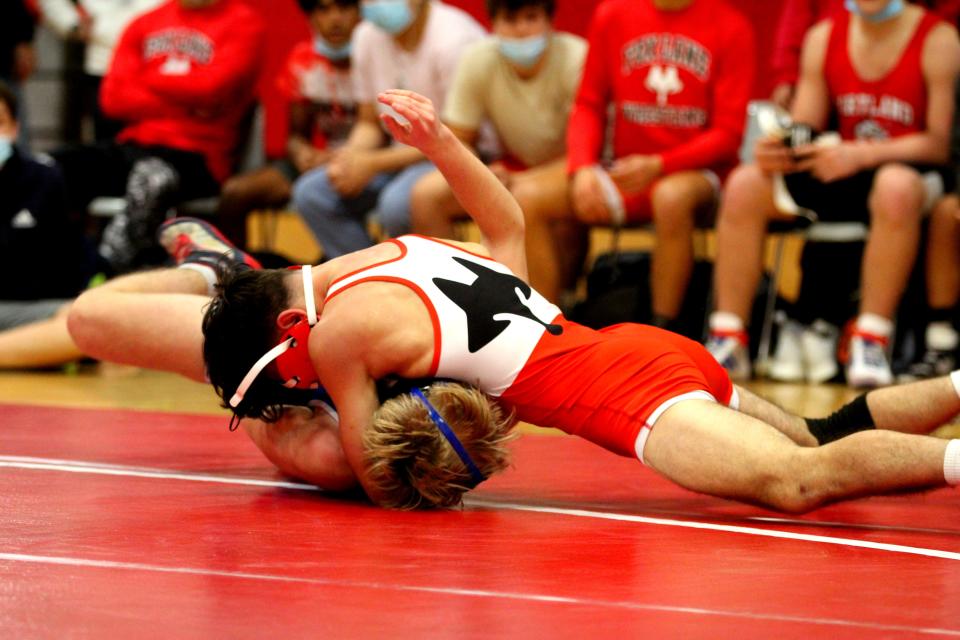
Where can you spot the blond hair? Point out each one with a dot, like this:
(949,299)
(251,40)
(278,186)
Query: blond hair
(411,465)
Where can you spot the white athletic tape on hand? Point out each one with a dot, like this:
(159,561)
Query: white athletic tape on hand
(612,197)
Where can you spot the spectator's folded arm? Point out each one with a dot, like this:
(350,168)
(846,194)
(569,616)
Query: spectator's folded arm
(232,70)
(122,96)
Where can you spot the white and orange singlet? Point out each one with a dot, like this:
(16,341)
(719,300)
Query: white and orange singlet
(492,330)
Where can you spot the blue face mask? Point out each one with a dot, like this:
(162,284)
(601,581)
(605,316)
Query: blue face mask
(6,150)
(523,52)
(892,10)
(330,52)
(393,16)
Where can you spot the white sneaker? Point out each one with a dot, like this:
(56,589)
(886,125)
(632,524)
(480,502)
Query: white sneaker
(868,365)
(819,344)
(730,350)
(787,363)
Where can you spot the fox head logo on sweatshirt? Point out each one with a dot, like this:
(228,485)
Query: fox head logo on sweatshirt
(665,63)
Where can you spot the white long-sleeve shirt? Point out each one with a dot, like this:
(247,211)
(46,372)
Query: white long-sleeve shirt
(108,20)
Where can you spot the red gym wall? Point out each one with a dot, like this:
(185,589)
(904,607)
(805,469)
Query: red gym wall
(286,26)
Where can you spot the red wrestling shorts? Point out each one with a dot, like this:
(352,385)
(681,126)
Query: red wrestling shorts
(610,386)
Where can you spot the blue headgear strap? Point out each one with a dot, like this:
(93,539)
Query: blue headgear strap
(451,437)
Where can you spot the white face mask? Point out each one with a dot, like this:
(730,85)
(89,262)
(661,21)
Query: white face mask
(523,52)
(6,149)
(893,9)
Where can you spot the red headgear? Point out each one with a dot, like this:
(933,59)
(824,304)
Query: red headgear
(291,354)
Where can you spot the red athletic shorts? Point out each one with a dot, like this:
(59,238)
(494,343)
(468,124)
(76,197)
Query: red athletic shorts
(610,386)
(639,208)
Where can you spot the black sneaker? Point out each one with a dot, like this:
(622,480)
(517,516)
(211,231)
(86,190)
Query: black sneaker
(933,365)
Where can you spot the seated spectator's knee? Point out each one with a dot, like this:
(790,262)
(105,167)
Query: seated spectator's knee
(393,214)
(526,195)
(745,186)
(235,189)
(673,206)
(427,196)
(897,195)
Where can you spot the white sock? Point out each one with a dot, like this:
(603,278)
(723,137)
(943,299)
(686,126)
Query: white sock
(955,380)
(206,271)
(941,336)
(874,325)
(725,321)
(951,463)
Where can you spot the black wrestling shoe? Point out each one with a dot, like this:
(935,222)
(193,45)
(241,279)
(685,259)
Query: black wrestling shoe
(934,364)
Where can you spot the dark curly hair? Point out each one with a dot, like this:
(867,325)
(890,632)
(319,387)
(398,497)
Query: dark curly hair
(496,6)
(239,326)
(309,6)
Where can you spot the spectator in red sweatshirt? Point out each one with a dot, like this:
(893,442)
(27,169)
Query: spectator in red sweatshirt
(182,79)
(678,74)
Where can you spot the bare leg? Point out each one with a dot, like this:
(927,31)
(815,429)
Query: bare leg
(554,240)
(746,208)
(708,448)
(794,427)
(918,407)
(572,235)
(895,205)
(943,254)
(433,207)
(38,344)
(676,200)
(149,319)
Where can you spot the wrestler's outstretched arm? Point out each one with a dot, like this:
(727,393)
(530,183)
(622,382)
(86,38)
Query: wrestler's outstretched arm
(479,192)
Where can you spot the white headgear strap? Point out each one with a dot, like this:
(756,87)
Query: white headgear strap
(280,349)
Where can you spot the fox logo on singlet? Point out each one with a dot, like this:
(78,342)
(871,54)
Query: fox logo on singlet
(487,300)
(486,320)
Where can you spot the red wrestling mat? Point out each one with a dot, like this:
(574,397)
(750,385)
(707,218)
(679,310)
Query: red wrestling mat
(134,524)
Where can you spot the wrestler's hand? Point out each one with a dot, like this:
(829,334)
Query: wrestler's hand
(636,172)
(586,194)
(422,128)
(831,163)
